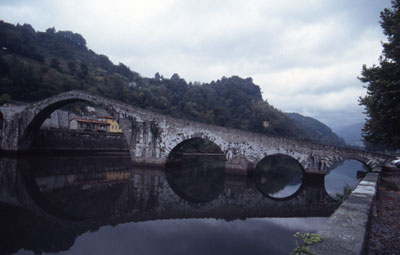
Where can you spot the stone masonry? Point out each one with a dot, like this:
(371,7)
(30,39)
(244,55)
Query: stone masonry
(152,136)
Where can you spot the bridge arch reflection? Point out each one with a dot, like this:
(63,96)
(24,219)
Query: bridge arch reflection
(195,170)
(344,174)
(278,176)
(141,194)
(85,189)
(365,161)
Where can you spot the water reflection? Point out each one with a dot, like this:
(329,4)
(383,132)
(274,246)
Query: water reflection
(72,202)
(195,170)
(76,193)
(278,176)
(176,236)
(343,174)
(196,178)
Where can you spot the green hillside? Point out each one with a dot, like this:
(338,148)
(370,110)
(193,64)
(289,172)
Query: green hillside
(318,130)
(35,65)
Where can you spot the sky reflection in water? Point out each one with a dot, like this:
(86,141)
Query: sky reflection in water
(196,236)
(342,174)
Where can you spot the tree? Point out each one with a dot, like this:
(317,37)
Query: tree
(72,67)
(84,70)
(55,63)
(382,102)
(157,77)
(51,30)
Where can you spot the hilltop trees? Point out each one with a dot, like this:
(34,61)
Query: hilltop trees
(382,102)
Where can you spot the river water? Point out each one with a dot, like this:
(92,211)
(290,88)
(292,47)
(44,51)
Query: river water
(107,205)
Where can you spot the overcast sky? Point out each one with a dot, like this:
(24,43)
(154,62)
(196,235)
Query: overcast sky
(304,54)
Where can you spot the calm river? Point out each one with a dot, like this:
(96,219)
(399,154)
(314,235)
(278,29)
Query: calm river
(106,205)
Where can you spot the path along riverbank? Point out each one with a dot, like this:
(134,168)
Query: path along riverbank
(384,230)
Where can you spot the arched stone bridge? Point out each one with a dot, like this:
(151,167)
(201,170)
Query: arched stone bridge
(151,136)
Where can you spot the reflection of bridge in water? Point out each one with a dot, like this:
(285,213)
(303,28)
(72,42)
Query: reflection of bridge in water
(28,184)
(67,198)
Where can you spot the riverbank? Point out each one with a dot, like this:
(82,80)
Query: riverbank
(384,231)
(347,228)
(368,222)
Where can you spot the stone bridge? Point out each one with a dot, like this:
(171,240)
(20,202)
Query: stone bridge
(152,136)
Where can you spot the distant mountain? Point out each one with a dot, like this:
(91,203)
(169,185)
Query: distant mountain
(352,134)
(317,130)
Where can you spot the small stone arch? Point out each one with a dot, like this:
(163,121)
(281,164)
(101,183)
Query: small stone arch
(369,163)
(283,153)
(184,141)
(50,105)
(179,139)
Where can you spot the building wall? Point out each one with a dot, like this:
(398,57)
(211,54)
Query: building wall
(57,119)
(114,127)
(73,124)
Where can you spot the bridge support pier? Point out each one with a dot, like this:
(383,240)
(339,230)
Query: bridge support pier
(157,162)
(316,171)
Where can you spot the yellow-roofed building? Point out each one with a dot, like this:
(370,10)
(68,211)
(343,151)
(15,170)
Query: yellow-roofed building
(114,126)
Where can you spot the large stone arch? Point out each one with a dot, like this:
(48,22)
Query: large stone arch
(290,155)
(300,158)
(37,113)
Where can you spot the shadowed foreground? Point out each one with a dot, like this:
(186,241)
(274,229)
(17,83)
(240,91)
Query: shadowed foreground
(385,224)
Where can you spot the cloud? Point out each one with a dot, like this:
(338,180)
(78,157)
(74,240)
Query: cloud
(307,50)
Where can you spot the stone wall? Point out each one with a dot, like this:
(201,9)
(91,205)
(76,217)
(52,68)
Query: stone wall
(346,230)
(57,119)
(73,140)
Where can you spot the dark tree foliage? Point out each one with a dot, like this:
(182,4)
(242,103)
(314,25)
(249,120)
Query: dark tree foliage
(20,42)
(72,67)
(124,71)
(382,102)
(54,63)
(84,70)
